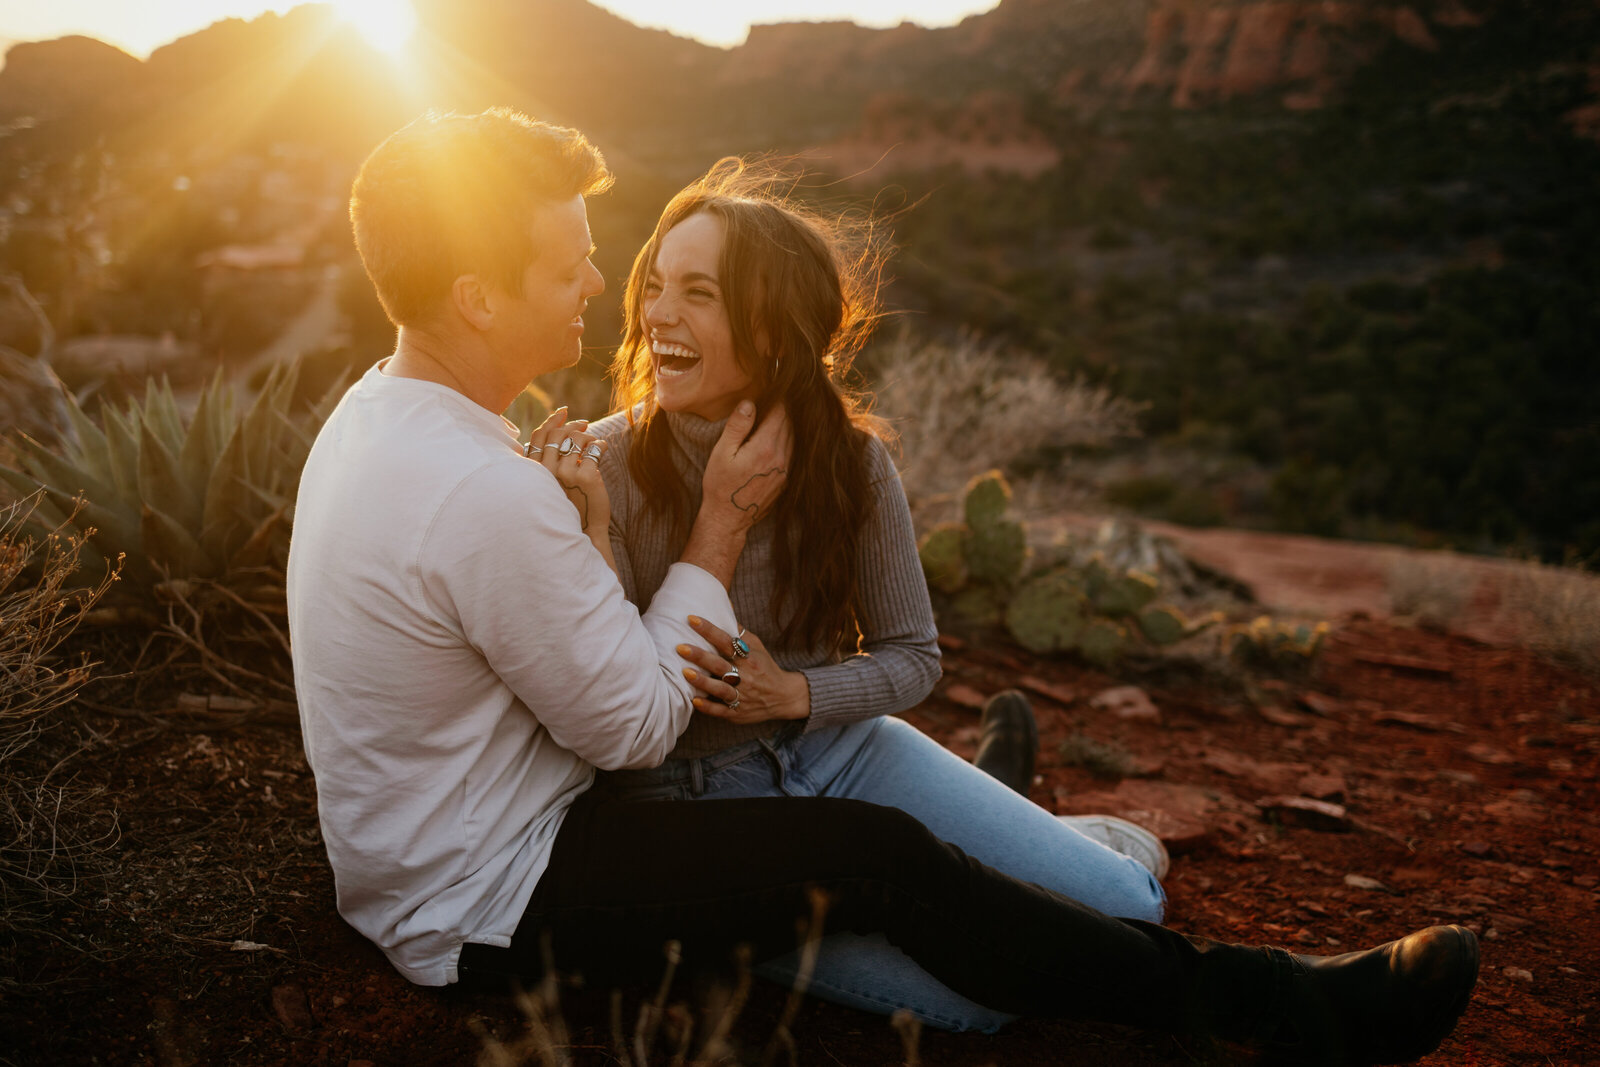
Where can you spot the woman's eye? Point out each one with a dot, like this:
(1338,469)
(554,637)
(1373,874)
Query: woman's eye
(652,288)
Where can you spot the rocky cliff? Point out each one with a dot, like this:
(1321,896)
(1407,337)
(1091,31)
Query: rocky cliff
(1200,51)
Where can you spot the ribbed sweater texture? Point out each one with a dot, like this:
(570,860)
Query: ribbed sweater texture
(898,662)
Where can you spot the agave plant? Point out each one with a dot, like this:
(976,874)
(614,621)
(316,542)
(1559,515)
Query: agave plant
(203,499)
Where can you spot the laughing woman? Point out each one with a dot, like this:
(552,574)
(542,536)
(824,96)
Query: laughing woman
(741,295)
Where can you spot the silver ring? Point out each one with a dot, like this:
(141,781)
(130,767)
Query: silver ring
(740,649)
(530,450)
(568,447)
(593,451)
(732,704)
(731,677)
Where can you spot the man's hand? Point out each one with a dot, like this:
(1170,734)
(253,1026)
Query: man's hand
(744,476)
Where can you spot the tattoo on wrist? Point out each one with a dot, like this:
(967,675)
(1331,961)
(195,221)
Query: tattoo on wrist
(583,508)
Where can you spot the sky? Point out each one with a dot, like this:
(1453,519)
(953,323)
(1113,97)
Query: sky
(140,28)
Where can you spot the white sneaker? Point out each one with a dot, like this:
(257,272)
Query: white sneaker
(1128,838)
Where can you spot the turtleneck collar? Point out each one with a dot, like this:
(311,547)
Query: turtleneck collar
(694,435)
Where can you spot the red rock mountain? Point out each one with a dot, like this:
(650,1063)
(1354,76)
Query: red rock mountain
(796,85)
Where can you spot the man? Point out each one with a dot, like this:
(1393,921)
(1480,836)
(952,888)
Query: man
(453,731)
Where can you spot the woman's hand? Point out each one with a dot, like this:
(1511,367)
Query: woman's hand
(576,466)
(744,476)
(747,469)
(764,690)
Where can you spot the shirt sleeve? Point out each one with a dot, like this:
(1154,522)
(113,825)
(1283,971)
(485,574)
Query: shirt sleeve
(899,659)
(506,561)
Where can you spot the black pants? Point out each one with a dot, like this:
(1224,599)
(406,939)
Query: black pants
(627,876)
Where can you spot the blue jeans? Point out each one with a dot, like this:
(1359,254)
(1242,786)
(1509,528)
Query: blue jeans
(887,761)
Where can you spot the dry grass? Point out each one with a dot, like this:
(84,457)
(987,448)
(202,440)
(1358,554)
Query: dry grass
(961,409)
(1433,589)
(48,822)
(669,1030)
(1557,610)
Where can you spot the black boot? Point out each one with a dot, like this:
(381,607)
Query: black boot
(1009,743)
(1390,1004)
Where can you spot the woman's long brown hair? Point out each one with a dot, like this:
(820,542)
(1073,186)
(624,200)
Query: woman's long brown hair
(801,291)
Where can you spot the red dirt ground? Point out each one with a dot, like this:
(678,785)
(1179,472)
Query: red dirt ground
(1468,773)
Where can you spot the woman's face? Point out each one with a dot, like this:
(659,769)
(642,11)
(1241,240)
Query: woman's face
(686,323)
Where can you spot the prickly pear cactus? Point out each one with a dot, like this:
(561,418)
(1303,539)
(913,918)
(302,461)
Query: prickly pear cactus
(1162,625)
(988,496)
(996,552)
(1102,642)
(979,605)
(1047,614)
(1270,644)
(944,560)
(1124,594)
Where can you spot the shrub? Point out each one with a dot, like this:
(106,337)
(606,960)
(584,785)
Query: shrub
(44,827)
(1433,589)
(199,510)
(1559,611)
(963,408)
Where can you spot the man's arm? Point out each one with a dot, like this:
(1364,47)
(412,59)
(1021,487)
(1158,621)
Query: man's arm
(506,563)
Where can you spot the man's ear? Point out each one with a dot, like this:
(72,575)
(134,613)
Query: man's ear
(472,301)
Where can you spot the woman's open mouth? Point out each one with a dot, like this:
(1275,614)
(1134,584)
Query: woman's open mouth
(673,359)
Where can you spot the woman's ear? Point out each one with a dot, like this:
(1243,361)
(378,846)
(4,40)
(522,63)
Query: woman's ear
(472,301)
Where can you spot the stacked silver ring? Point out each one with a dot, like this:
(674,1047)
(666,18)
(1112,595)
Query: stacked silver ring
(531,450)
(593,451)
(568,446)
(731,677)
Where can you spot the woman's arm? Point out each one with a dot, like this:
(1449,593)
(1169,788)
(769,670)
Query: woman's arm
(899,659)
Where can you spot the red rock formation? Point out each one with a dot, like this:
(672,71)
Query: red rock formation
(1409,27)
(1256,54)
(1161,29)
(1207,50)
(1204,34)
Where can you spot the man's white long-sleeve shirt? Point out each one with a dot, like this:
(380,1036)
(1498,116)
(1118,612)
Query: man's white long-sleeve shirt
(463,660)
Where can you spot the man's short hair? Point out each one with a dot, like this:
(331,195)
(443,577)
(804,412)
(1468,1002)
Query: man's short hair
(452,194)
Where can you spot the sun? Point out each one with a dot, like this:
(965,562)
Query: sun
(386,24)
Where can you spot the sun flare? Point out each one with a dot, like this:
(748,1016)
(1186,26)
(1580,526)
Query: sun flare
(386,24)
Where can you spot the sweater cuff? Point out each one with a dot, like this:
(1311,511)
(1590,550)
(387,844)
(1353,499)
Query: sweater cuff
(835,698)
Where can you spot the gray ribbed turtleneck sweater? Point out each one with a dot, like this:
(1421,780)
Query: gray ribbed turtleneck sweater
(899,660)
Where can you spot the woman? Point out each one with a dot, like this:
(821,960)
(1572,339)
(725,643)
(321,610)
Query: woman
(738,295)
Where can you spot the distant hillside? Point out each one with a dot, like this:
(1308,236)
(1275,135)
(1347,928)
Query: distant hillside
(806,82)
(1346,250)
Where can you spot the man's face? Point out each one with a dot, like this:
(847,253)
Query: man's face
(543,324)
